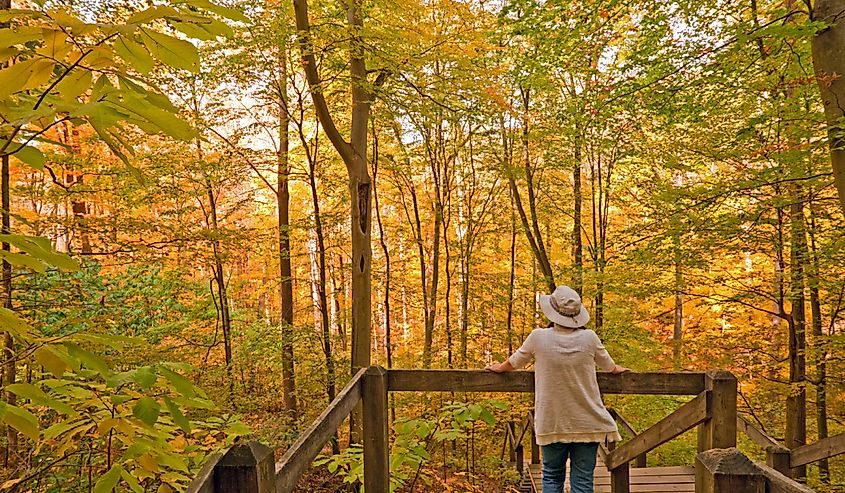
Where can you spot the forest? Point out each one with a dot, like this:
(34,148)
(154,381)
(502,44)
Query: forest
(214,212)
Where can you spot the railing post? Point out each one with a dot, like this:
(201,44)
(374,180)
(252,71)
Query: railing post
(246,468)
(727,471)
(620,479)
(535,448)
(374,394)
(778,458)
(520,457)
(719,430)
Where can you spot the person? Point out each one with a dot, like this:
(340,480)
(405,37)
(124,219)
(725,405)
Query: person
(570,419)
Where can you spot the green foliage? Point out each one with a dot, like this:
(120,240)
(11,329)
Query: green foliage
(63,68)
(414,440)
(137,418)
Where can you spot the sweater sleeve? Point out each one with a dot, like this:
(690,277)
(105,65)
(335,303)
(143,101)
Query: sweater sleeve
(523,355)
(602,357)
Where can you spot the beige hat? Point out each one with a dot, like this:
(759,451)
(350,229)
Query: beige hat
(564,307)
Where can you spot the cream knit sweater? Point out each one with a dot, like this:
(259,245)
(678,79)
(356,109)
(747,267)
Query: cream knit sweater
(567,402)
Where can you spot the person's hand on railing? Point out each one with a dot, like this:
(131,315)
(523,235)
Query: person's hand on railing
(619,369)
(500,367)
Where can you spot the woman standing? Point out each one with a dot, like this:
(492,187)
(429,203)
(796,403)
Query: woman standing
(570,419)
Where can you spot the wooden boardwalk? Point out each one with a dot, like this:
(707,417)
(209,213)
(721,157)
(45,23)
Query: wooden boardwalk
(676,479)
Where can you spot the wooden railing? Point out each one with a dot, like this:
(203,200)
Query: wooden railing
(642,459)
(249,467)
(513,443)
(787,461)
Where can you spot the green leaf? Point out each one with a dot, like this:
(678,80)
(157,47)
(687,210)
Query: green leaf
(21,260)
(74,84)
(21,420)
(147,410)
(175,413)
(145,377)
(180,383)
(59,429)
(46,357)
(173,461)
(89,359)
(174,52)
(134,54)
(220,10)
(152,13)
(31,156)
(109,480)
(193,30)
(237,428)
(19,35)
(121,378)
(38,396)
(133,483)
(11,322)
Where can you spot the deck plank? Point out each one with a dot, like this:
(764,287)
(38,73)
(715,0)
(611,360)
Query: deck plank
(667,479)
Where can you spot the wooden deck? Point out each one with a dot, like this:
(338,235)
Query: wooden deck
(676,479)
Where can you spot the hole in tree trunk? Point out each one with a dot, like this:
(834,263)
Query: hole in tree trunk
(361,264)
(363,206)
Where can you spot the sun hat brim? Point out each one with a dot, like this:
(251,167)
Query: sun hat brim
(573,322)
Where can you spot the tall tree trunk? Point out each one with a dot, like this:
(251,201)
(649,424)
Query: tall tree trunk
(283,209)
(220,281)
(354,155)
(577,245)
(543,258)
(678,332)
(388,344)
(511,280)
(448,299)
(9,367)
(533,241)
(819,345)
(829,62)
(796,401)
(779,292)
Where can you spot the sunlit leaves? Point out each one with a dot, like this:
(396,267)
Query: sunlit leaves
(60,65)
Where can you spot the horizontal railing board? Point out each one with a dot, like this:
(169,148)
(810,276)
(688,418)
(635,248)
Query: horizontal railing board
(686,417)
(756,435)
(653,383)
(823,449)
(204,480)
(301,454)
(776,482)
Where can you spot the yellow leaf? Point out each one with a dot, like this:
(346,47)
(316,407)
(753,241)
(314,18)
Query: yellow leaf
(104,426)
(56,45)
(148,462)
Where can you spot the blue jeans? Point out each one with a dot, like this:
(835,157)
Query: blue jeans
(582,462)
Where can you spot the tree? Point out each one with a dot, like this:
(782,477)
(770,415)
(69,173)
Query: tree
(829,63)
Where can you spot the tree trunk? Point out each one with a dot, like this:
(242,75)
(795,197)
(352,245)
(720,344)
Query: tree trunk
(388,344)
(533,242)
(283,209)
(819,345)
(354,155)
(9,367)
(678,332)
(577,245)
(511,280)
(796,401)
(829,63)
(220,282)
(543,258)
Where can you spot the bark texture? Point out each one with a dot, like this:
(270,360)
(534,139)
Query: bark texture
(829,63)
